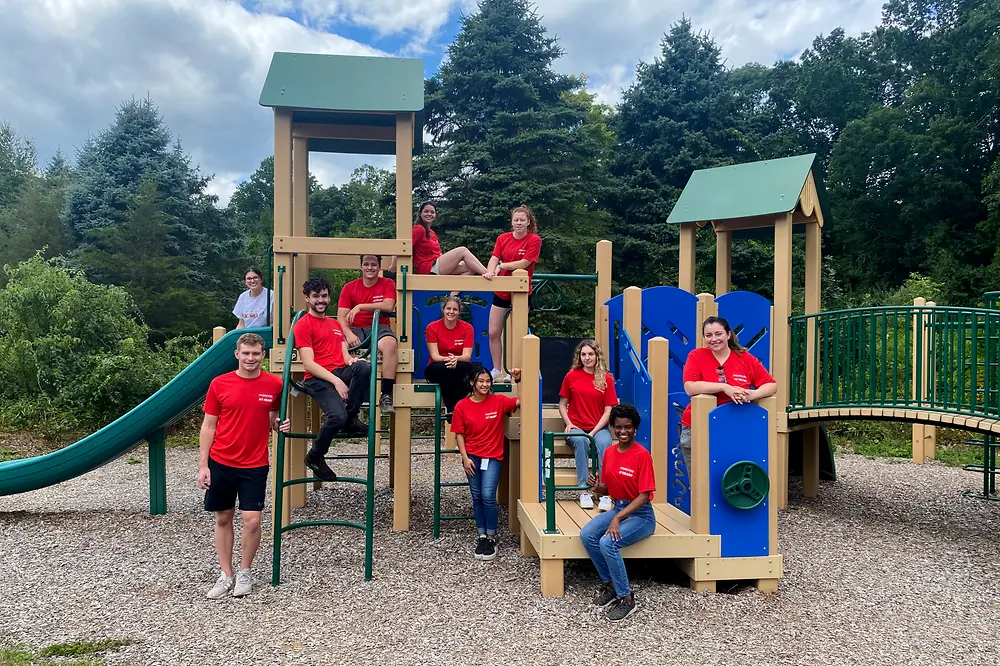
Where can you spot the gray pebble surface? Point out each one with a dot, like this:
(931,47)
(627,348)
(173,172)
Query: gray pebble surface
(890,565)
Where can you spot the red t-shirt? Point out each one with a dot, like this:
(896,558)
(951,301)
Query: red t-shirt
(243,407)
(586,403)
(449,340)
(628,474)
(743,370)
(482,424)
(426,249)
(356,293)
(508,249)
(326,338)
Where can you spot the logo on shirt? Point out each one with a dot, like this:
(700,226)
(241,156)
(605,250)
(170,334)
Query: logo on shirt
(460,342)
(520,252)
(737,377)
(625,471)
(491,415)
(378,298)
(265,397)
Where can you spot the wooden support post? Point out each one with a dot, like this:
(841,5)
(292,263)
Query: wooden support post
(552,581)
(283,212)
(814,259)
(518,323)
(602,294)
(701,406)
(770,405)
(723,261)
(810,461)
(531,402)
(706,307)
(686,261)
(930,432)
(296,449)
(632,316)
(659,368)
(781,338)
(400,421)
(703,586)
(919,359)
(218,333)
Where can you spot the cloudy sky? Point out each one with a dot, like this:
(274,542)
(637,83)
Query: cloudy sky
(65,65)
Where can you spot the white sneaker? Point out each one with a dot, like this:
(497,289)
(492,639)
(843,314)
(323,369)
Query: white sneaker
(244,583)
(586,501)
(605,504)
(496,374)
(221,587)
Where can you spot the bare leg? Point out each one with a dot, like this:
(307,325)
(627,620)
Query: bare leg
(448,263)
(387,346)
(496,333)
(250,539)
(224,539)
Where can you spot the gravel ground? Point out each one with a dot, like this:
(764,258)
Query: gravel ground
(889,566)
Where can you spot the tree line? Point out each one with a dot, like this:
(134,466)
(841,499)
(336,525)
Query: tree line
(903,119)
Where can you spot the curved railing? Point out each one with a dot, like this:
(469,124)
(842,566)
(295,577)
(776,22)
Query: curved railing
(931,358)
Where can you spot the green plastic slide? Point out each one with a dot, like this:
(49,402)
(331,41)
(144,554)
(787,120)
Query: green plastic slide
(121,436)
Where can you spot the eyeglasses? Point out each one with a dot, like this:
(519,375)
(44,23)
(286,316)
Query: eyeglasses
(721,372)
(252,279)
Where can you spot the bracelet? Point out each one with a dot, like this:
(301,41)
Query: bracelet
(517,381)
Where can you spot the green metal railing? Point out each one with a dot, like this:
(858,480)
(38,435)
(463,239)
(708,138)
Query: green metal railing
(547,292)
(279,473)
(935,358)
(549,473)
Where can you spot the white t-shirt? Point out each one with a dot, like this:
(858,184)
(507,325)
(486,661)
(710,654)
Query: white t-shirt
(253,311)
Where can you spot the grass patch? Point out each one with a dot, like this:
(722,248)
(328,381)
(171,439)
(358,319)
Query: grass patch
(84,648)
(885,439)
(77,653)
(8,454)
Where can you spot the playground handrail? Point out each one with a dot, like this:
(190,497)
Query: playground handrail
(933,358)
(549,473)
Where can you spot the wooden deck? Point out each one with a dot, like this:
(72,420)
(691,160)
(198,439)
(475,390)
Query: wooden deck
(974,423)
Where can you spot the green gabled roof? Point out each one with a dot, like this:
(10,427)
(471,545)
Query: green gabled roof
(344,83)
(756,189)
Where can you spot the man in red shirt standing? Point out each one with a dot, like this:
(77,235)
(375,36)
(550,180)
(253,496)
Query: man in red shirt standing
(337,381)
(358,300)
(240,409)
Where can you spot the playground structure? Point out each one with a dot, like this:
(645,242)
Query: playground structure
(926,365)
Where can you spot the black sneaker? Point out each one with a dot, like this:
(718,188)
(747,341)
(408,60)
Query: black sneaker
(319,467)
(605,595)
(621,609)
(385,404)
(481,546)
(490,549)
(355,427)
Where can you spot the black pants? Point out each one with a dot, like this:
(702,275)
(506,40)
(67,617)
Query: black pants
(454,382)
(357,378)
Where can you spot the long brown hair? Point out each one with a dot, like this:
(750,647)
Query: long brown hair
(600,368)
(532,222)
(734,342)
(420,220)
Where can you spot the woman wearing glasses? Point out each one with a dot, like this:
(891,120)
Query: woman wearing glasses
(255,306)
(724,369)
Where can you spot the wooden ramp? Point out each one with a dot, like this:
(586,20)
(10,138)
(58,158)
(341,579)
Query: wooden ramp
(698,555)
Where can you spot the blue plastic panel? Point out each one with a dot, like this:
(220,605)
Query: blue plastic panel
(678,486)
(737,432)
(427,308)
(749,314)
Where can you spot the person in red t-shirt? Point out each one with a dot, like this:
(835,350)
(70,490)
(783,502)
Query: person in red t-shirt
(628,478)
(449,343)
(725,369)
(427,256)
(337,381)
(519,248)
(478,424)
(241,408)
(585,401)
(358,300)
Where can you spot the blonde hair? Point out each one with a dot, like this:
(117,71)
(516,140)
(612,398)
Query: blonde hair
(600,368)
(532,222)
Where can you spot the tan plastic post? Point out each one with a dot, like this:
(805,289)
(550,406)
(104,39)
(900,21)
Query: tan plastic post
(917,429)
(632,315)
(770,404)
(400,421)
(686,259)
(781,338)
(707,307)
(602,294)
(518,322)
(530,435)
(723,261)
(701,407)
(814,259)
(218,333)
(659,368)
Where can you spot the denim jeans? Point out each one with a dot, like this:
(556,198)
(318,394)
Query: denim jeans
(483,486)
(685,442)
(581,452)
(605,552)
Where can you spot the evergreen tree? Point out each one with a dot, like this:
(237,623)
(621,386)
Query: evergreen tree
(17,164)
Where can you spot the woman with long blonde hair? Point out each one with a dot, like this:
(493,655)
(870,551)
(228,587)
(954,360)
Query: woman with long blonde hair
(586,397)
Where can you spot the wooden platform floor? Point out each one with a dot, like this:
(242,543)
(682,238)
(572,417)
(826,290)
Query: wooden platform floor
(974,423)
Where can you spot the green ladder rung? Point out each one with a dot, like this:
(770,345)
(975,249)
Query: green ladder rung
(454,484)
(313,479)
(355,456)
(322,523)
(311,435)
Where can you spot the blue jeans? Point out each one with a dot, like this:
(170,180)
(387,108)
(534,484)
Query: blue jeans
(581,453)
(605,552)
(483,485)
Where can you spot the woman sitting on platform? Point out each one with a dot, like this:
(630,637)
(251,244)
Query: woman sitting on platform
(478,424)
(585,401)
(427,256)
(518,248)
(725,369)
(449,342)
(627,477)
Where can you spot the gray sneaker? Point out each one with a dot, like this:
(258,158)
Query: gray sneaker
(605,595)
(385,404)
(244,583)
(621,609)
(221,587)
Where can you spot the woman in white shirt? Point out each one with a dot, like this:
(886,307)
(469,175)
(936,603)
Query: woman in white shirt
(255,306)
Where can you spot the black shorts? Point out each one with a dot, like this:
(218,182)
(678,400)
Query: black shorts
(226,483)
(506,304)
(383,332)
